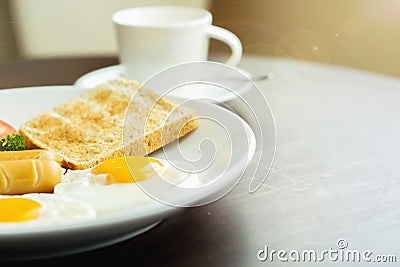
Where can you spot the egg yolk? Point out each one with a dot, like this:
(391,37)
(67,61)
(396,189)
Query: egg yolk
(18,209)
(127,169)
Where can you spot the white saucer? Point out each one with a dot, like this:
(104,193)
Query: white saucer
(237,80)
(99,76)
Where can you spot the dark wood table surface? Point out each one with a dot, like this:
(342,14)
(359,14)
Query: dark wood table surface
(52,71)
(335,177)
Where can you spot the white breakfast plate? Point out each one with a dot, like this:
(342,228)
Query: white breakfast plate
(232,156)
(218,73)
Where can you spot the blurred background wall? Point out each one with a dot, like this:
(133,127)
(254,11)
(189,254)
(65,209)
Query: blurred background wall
(363,34)
(48,28)
(8,49)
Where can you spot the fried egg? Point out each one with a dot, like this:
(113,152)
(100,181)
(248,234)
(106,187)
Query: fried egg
(41,210)
(112,186)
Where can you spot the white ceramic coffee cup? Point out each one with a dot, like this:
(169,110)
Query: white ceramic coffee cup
(152,38)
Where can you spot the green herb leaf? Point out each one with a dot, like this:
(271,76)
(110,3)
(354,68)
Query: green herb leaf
(12,142)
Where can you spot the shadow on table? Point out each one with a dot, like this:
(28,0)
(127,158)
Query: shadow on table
(194,237)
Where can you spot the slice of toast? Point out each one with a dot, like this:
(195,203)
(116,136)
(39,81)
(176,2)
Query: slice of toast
(119,117)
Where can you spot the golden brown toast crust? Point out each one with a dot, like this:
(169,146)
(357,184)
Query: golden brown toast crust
(116,118)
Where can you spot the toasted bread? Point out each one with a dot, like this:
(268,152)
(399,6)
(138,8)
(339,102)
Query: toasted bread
(119,117)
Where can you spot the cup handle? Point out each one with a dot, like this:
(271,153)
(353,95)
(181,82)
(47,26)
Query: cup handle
(231,40)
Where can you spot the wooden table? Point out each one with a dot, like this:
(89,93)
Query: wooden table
(52,71)
(335,180)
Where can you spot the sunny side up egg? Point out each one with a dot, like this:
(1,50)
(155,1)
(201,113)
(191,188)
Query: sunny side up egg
(111,187)
(41,210)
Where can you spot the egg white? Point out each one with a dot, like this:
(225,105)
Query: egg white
(55,210)
(108,199)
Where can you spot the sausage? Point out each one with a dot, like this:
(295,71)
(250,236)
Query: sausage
(29,176)
(29,154)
